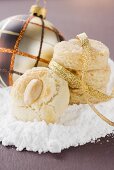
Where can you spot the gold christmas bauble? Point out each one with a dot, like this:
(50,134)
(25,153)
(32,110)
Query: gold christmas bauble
(25,42)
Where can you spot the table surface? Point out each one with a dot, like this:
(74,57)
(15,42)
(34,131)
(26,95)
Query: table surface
(99,156)
(95,17)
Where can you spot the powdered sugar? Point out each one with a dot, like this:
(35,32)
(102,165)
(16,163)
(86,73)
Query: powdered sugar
(78,125)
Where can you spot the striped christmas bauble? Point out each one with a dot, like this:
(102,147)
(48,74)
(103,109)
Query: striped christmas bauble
(25,42)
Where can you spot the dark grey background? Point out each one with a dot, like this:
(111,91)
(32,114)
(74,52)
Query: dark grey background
(96,18)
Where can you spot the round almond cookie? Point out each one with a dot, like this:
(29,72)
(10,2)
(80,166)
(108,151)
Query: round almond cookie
(70,54)
(39,94)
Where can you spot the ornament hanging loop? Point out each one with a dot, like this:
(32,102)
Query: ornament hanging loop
(39,11)
(44,3)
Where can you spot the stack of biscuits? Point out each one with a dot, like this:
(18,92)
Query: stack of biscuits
(70,55)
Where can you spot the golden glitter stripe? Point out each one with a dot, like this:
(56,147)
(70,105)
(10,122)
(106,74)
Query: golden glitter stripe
(53,29)
(11,71)
(48,28)
(12,51)
(16,48)
(24,54)
(31,56)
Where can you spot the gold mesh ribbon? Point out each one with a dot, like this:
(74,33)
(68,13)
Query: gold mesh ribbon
(75,82)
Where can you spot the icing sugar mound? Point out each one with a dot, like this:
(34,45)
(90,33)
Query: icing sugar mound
(78,126)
